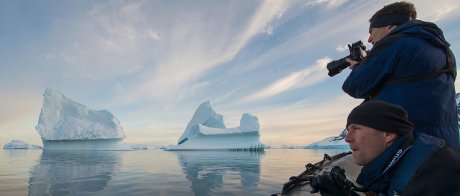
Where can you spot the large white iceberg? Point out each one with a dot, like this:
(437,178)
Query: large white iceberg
(206,131)
(19,144)
(65,124)
(334,142)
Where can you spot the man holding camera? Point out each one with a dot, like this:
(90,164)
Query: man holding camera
(397,161)
(410,65)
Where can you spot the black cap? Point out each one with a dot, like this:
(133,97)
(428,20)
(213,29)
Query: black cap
(381,116)
(388,20)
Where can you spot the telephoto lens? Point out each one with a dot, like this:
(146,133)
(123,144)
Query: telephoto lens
(335,67)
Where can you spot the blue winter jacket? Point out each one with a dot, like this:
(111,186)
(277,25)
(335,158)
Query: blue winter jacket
(429,101)
(424,167)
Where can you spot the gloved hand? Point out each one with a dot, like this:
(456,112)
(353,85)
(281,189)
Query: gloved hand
(334,183)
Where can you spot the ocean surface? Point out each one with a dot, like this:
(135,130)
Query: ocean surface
(151,172)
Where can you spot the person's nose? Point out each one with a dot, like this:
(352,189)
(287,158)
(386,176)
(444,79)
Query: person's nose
(348,137)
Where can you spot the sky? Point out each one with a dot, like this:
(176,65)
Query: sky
(152,63)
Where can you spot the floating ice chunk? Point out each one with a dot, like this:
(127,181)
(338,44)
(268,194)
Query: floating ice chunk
(18,144)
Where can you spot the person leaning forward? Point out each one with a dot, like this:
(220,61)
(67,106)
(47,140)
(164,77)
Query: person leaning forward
(410,65)
(395,160)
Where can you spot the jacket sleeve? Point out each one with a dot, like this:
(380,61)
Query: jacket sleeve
(367,77)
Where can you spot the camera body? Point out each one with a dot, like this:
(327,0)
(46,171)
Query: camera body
(337,66)
(333,183)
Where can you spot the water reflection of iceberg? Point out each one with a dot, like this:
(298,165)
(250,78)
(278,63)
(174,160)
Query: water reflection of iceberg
(206,169)
(73,172)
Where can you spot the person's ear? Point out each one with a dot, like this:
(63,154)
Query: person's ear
(391,27)
(390,137)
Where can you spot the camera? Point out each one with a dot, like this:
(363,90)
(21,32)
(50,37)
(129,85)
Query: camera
(337,66)
(334,182)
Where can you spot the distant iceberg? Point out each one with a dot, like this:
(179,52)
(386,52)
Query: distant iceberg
(139,146)
(335,142)
(67,125)
(206,131)
(18,144)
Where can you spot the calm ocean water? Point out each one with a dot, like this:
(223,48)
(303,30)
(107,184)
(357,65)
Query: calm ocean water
(151,172)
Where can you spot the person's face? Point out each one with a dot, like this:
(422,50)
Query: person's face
(367,143)
(376,34)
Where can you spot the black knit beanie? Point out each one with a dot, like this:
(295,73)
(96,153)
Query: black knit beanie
(381,116)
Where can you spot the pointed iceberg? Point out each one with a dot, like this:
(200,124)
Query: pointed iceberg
(206,131)
(66,124)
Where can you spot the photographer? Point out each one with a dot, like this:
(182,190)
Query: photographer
(410,65)
(395,160)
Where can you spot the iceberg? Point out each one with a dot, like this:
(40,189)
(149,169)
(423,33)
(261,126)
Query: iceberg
(19,144)
(334,142)
(139,146)
(67,125)
(206,131)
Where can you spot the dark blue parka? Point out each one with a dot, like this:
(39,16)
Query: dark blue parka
(424,167)
(429,100)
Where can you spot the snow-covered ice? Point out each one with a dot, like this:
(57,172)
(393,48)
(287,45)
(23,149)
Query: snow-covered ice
(66,124)
(19,144)
(335,142)
(206,131)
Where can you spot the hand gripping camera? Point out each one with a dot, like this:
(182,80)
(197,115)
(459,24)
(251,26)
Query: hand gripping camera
(337,66)
(333,183)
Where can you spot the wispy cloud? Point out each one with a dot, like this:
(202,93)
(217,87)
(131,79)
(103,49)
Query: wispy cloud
(198,44)
(303,78)
(328,3)
(428,11)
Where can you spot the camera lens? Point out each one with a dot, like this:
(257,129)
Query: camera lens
(337,66)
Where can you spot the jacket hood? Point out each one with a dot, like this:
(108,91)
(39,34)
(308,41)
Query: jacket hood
(423,30)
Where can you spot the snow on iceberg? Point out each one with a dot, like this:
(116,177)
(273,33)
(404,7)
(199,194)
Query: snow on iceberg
(206,131)
(65,124)
(335,142)
(19,144)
